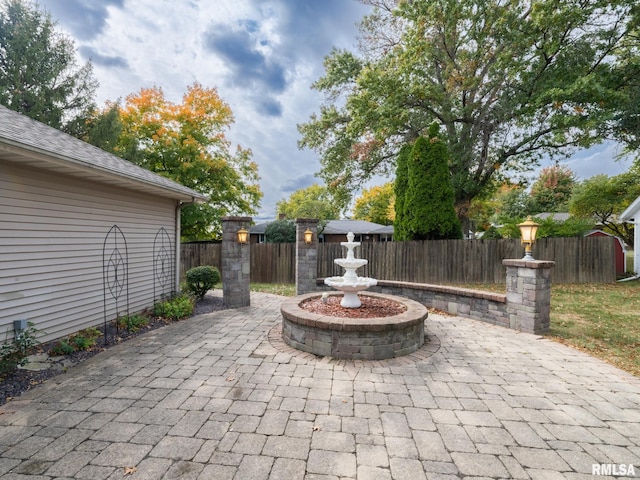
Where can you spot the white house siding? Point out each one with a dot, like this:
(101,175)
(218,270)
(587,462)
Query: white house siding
(52,231)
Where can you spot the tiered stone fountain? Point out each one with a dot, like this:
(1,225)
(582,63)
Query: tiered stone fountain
(347,336)
(350,283)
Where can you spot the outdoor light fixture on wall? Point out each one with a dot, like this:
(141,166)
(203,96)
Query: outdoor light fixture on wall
(308,236)
(528,231)
(243,236)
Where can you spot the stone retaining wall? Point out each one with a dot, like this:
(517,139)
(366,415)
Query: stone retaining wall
(525,307)
(486,306)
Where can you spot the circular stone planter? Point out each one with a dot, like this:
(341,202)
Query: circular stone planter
(354,338)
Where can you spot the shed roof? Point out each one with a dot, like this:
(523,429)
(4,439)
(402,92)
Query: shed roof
(29,142)
(632,213)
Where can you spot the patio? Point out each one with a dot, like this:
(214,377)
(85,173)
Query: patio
(221,396)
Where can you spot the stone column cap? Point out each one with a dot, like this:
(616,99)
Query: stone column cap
(307,220)
(514,262)
(236,219)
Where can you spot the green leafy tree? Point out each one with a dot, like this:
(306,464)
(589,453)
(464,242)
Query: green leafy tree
(571,227)
(104,129)
(429,210)
(512,202)
(280,231)
(603,198)
(186,142)
(400,190)
(373,204)
(552,189)
(509,82)
(39,75)
(310,202)
(627,122)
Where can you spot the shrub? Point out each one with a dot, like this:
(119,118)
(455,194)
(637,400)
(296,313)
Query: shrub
(133,323)
(63,348)
(202,279)
(15,354)
(86,339)
(176,309)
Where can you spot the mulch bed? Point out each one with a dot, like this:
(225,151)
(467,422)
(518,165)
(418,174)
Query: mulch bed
(372,307)
(21,380)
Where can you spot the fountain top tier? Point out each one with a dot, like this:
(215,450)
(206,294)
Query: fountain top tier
(350,284)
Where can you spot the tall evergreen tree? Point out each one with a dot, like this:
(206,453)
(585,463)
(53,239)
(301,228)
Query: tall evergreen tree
(39,76)
(429,201)
(400,189)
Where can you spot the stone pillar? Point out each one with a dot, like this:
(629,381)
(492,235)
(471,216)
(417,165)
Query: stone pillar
(529,294)
(236,263)
(306,256)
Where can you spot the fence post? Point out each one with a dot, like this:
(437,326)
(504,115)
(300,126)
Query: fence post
(236,263)
(306,256)
(529,294)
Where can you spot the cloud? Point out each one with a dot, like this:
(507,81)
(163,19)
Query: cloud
(269,107)
(600,159)
(302,181)
(309,29)
(103,60)
(249,66)
(85,18)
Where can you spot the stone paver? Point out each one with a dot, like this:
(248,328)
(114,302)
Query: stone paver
(221,396)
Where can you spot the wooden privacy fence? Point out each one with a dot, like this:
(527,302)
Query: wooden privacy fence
(270,262)
(273,263)
(578,260)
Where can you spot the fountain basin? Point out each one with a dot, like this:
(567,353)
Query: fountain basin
(354,338)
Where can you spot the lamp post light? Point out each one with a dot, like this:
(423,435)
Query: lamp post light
(528,231)
(308,236)
(243,236)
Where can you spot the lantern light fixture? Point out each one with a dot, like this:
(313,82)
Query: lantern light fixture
(308,236)
(528,231)
(243,236)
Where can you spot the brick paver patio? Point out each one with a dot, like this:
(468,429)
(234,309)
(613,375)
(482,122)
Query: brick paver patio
(220,396)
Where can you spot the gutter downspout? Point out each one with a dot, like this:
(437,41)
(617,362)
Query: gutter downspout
(179,206)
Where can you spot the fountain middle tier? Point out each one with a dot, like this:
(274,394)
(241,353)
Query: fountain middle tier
(350,288)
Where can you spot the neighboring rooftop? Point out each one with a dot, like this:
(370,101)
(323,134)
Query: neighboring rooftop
(338,227)
(558,217)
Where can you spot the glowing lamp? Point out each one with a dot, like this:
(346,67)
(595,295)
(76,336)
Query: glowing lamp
(243,236)
(528,231)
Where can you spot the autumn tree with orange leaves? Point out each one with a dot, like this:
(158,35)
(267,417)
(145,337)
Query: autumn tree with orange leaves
(186,142)
(375,204)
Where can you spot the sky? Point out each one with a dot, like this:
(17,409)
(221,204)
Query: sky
(261,55)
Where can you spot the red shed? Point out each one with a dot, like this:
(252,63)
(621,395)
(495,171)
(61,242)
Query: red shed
(621,259)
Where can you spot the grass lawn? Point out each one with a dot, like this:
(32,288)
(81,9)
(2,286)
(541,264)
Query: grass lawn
(602,320)
(286,290)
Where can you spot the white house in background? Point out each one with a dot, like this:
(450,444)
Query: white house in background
(84,235)
(632,215)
